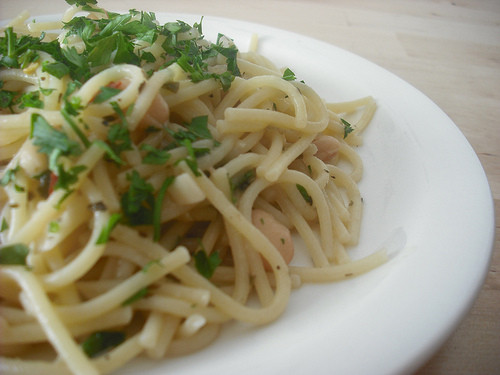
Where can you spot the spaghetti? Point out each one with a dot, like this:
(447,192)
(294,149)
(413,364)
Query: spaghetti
(152,186)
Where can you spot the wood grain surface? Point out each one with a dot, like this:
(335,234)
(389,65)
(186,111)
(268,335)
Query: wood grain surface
(449,50)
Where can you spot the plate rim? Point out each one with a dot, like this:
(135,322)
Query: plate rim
(411,362)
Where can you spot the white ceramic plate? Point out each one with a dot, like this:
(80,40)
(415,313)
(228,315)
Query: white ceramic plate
(426,197)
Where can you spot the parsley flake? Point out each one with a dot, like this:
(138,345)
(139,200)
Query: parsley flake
(106,231)
(4,226)
(99,342)
(347,127)
(304,194)
(241,182)
(138,202)
(158,206)
(141,293)
(54,227)
(9,176)
(154,155)
(206,264)
(196,130)
(49,139)
(58,69)
(106,93)
(288,75)
(14,254)
(149,264)
(31,99)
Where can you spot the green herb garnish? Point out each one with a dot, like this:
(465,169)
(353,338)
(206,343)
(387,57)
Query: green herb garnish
(7,99)
(118,134)
(9,176)
(31,99)
(81,2)
(138,202)
(106,231)
(55,143)
(14,254)
(158,206)
(4,226)
(106,93)
(197,129)
(149,264)
(54,227)
(98,342)
(288,75)
(57,69)
(304,194)
(66,178)
(206,264)
(154,155)
(241,182)
(347,127)
(50,140)
(141,293)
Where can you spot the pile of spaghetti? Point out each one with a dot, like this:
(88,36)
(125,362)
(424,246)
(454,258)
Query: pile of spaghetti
(152,187)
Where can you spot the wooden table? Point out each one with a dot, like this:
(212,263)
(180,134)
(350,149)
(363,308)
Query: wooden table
(450,50)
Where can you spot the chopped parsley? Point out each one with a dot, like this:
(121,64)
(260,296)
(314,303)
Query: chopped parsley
(7,99)
(31,99)
(197,129)
(50,140)
(241,182)
(113,40)
(4,226)
(10,46)
(106,93)
(66,178)
(9,176)
(149,264)
(109,151)
(105,41)
(347,127)
(99,342)
(106,231)
(206,264)
(138,201)
(141,293)
(19,189)
(154,155)
(55,143)
(190,159)
(288,75)
(304,194)
(58,69)
(14,254)
(158,206)
(69,111)
(118,133)
(54,227)
(139,204)
(193,59)
(81,2)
